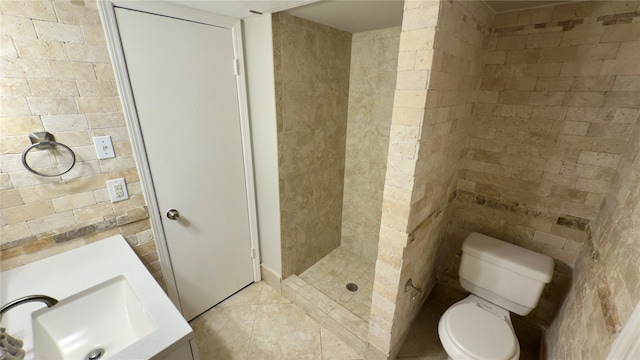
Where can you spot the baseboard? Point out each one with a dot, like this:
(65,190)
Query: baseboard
(271,277)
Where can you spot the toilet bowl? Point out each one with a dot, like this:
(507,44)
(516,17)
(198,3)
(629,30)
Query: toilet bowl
(502,278)
(475,329)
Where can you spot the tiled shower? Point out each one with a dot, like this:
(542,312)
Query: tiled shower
(334,99)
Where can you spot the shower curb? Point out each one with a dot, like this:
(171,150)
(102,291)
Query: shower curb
(333,316)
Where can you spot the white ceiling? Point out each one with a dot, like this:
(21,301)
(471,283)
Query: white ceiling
(353,15)
(348,15)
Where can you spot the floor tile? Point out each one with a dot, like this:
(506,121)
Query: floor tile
(334,349)
(331,274)
(224,332)
(259,323)
(283,331)
(423,340)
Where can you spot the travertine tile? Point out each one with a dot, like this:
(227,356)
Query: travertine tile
(225,331)
(47,30)
(333,348)
(40,49)
(41,36)
(287,334)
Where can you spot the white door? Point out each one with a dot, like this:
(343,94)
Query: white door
(184,86)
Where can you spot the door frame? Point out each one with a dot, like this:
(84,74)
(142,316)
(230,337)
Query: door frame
(116,52)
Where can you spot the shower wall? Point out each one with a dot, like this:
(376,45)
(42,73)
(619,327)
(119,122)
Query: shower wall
(312,87)
(374,62)
(439,69)
(557,105)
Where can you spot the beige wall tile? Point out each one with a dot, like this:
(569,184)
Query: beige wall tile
(19,68)
(54,31)
(568,129)
(511,42)
(12,107)
(47,46)
(544,40)
(52,105)
(629,50)
(14,87)
(72,70)
(585,68)
(627,83)
(620,67)
(53,88)
(621,32)
(599,159)
(27,212)
(14,232)
(40,49)
(314,92)
(30,9)
(17,27)
(367,141)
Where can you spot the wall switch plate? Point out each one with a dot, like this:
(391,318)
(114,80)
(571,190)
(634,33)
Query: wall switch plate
(117,190)
(104,147)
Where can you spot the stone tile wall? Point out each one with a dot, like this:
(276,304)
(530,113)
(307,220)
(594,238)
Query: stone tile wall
(439,69)
(312,87)
(606,284)
(374,63)
(56,76)
(558,101)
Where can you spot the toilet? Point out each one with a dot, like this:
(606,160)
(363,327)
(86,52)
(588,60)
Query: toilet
(502,278)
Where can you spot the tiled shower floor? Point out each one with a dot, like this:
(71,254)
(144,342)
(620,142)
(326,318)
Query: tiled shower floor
(332,273)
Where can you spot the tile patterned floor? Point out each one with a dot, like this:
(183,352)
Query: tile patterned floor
(259,323)
(331,274)
(423,342)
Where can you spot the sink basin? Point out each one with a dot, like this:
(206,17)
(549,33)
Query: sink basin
(105,318)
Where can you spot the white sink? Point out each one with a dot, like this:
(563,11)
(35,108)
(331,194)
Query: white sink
(107,317)
(108,300)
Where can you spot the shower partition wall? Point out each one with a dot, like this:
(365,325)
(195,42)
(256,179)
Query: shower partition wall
(312,86)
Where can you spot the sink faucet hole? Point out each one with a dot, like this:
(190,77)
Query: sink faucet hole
(95,354)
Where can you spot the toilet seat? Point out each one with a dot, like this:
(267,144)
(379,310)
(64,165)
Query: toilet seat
(470,331)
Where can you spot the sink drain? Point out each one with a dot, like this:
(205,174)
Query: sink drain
(352,287)
(95,354)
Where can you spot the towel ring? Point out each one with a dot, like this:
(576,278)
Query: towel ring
(45,140)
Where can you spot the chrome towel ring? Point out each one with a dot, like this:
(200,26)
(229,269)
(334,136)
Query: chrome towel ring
(44,140)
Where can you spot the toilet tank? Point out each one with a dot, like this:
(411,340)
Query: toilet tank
(507,275)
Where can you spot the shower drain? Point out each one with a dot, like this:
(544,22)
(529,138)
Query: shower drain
(352,287)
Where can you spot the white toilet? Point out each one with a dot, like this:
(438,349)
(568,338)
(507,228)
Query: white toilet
(501,277)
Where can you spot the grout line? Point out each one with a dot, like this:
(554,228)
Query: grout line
(253,325)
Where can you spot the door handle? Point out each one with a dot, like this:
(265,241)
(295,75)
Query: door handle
(173,214)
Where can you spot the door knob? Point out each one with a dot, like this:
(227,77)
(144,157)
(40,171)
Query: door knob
(173,214)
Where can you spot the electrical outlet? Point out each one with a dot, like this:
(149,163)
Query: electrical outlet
(117,190)
(104,147)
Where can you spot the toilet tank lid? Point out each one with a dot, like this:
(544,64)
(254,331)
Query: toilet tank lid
(515,258)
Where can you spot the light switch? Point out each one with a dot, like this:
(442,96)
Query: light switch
(104,147)
(117,190)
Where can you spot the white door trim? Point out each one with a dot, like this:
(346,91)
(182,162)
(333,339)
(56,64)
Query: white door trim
(109,23)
